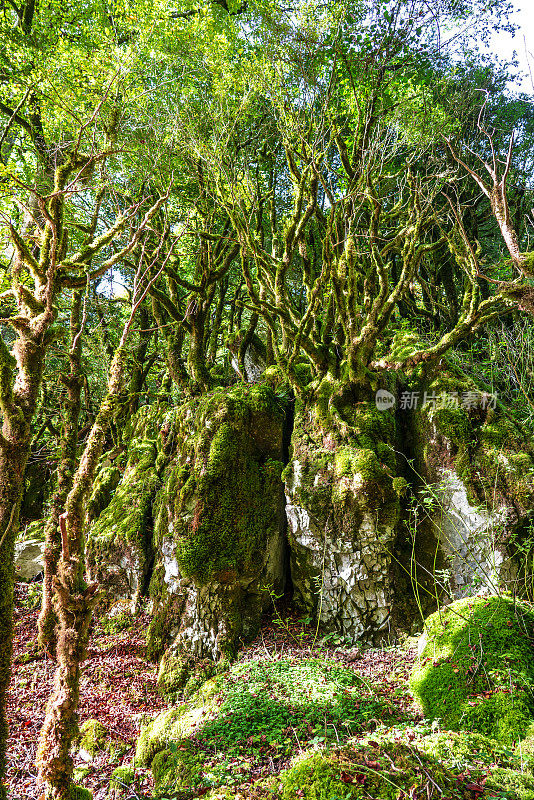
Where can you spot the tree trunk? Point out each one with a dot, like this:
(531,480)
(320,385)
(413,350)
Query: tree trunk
(67,465)
(74,601)
(12,464)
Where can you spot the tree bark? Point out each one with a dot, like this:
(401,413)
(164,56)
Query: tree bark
(67,465)
(74,601)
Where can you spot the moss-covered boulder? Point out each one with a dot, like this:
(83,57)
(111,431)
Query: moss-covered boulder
(219,532)
(474,465)
(342,508)
(386,770)
(92,739)
(476,667)
(107,479)
(119,545)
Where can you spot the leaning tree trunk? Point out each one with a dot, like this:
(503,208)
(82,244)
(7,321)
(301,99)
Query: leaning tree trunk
(12,464)
(74,601)
(17,404)
(67,465)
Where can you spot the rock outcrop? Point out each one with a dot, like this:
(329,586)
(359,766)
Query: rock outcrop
(342,508)
(119,546)
(475,466)
(219,524)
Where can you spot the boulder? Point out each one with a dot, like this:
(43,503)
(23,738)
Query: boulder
(342,505)
(475,669)
(119,544)
(219,523)
(474,468)
(29,559)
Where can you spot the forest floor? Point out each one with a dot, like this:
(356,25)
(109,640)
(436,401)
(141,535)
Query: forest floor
(119,690)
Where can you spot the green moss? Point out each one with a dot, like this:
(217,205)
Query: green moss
(400,486)
(105,483)
(161,624)
(405,344)
(122,776)
(180,672)
(387,770)
(177,767)
(516,785)
(79,793)
(93,736)
(467,750)
(122,533)
(176,724)
(315,777)
(218,493)
(476,667)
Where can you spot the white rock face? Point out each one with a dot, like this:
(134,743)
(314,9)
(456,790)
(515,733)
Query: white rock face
(28,559)
(254,364)
(345,578)
(468,537)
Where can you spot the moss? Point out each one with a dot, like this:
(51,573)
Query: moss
(400,486)
(176,724)
(476,667)
(486,448)
(122,776)
(466,750)
(35,530)
(516,785)
(173,673)
(404,345)
(160,625)
(79,793)
(386,770)
(105,483)
(93,737)
(217,498)
(177,767)
(121,536)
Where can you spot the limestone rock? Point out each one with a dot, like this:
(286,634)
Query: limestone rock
(28,559)
(342,512)
(219,522)
(476,467)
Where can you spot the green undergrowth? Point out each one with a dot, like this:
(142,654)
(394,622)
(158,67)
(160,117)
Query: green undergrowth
(476,668)
(395,764)
(258,710)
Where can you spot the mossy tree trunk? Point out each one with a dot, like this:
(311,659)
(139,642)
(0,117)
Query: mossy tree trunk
(36,284)
(74,601)
(73,383)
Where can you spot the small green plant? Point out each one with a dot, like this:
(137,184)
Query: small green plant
(116,624)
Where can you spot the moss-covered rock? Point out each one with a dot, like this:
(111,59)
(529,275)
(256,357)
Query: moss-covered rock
(510,783)
(219,521)
(121,778)
(343,507)
(479,465)
(79,793)
(476,667)
(387,770)
(176,724)
(119,546)
(92,739)
(107,479)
